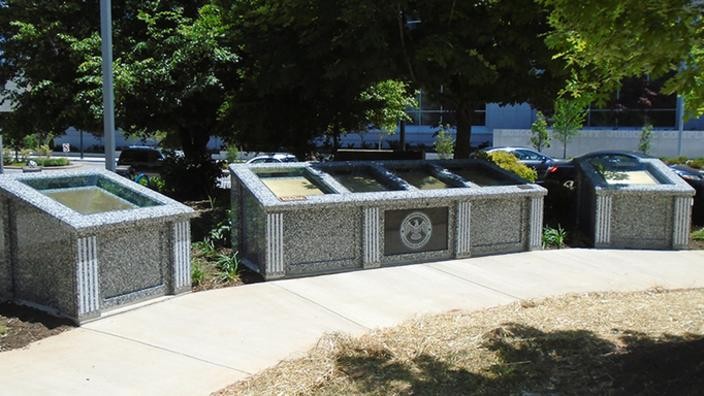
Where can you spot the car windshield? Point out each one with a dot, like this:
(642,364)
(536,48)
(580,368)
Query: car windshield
(527,155)
(615,162)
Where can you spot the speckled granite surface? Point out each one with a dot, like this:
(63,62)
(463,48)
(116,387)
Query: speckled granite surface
(635,216)
(342,231)
(77,265)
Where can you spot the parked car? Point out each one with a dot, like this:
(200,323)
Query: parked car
(694,178)
(538,161)
(141,159)
(561,176)
(274,158)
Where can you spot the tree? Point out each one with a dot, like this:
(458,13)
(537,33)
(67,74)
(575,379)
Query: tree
(539,136)
(37,57)
(646,137)
(605,42)
(304,65)
(444,144)
(388,100)
(465,54)
(568,120)
(170,68)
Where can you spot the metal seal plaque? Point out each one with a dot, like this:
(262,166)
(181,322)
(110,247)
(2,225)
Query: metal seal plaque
(416,230)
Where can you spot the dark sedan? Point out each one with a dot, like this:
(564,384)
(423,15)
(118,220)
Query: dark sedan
(560,177)
(694,178)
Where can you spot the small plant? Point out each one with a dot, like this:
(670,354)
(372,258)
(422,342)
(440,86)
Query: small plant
(206,247)
(539,132)
(554,237)
(221,232)
(646,136)
(197,273)
(227,265)
(509,162)
(444,144)
(698,235)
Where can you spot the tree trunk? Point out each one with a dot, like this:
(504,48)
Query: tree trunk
(463,114)
(194,144)
(402,135)
(335,138)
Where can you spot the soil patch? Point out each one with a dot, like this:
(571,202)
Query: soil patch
(21,325)
(600,343)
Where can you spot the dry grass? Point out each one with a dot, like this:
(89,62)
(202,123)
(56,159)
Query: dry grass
(615,343)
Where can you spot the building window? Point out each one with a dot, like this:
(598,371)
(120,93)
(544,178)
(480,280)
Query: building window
(429,113)
(636,103)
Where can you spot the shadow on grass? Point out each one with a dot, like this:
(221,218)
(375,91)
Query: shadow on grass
(531,361)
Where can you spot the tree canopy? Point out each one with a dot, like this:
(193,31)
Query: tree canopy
(304,66)
(170,67)
(468,53)
(306,61)
(604,42)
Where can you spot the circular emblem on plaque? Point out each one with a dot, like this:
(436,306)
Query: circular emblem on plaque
(416,230)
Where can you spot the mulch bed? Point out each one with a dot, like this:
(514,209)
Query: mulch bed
(21,325)
(597,343)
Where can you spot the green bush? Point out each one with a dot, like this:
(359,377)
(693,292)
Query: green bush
(554,237)
(509,162)
(698,235)
(189,179)
(52,161)
(43,150)
(697,163)
(233,153)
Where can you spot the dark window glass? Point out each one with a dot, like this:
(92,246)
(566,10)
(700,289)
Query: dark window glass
(636,103)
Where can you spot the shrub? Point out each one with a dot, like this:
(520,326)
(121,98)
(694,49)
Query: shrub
(24,155)
(52,162)
(44,150)
(189,179)
(697,163)
(674,160)
(233,153)
(554,237)
(509,162)
(157,184)
(8,156)
(698,235)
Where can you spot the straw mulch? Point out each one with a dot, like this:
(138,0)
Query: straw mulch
(616,343)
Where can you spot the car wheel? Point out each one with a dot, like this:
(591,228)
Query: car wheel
(568,184)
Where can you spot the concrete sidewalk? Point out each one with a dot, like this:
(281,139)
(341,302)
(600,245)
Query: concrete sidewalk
(199,343)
